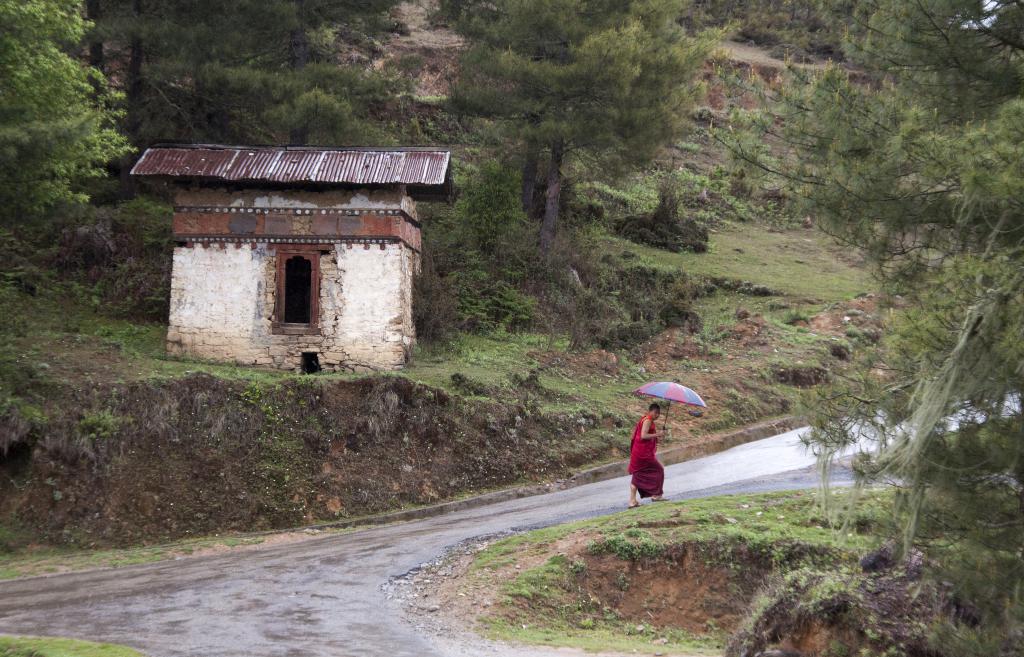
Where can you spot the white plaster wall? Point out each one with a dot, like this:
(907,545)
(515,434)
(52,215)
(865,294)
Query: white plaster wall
(215,291)
(365,306)
(222,301)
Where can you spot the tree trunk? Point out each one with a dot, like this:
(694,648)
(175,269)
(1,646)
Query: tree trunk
(133,96)
(554,193)
(529,178)
(299,47)
(133,87)
(92,12)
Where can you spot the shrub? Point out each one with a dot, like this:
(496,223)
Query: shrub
(99,426)
(666,227)
(632,545)
(434,309)
(489,208)
(124,254)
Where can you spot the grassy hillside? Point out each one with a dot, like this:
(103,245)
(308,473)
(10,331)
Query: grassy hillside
(682,272)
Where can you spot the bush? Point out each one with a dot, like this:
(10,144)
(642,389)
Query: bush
(678,310)
(99,426)
(489,208)
(124,254)
(433,306)
(665,228)
(631,546)
(482,260)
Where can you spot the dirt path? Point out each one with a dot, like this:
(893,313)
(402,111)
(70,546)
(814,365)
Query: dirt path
(326,596)
(432,50)
(758,56)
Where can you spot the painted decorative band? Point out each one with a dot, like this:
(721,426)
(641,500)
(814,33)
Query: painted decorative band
(298,239)
(215,209)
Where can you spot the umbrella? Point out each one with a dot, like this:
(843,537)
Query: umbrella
(672,392)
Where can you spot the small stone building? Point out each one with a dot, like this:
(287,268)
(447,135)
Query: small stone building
(295,258)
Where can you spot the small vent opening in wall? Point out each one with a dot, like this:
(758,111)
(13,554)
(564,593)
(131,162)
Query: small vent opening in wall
(310,362)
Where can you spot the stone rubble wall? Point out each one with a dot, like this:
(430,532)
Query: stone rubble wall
(222,302)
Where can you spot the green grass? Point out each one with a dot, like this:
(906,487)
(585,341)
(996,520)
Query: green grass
(801,263)
(760,521)
(495,360)
(41,561)
(540,582)
(487,359)
(16,646)
(609,636)
(73,343)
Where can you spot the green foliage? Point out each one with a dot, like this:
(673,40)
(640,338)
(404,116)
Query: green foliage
(923,169)
(488,211)
(791,27)
(121,256)
(243,70)
(480,257)
(632,545)
(99,426)
(55,117)
(550,60)
(606,81)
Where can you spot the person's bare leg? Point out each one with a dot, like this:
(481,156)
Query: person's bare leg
(632,496)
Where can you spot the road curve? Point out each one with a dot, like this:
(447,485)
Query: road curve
(322,596)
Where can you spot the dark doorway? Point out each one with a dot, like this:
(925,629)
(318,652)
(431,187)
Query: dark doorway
(298,281)
(310,362)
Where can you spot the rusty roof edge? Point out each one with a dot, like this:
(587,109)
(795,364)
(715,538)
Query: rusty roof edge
(138,162)
(270,147)
(307,165)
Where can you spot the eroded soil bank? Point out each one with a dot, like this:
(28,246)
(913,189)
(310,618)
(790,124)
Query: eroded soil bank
(742,576)
(148,461)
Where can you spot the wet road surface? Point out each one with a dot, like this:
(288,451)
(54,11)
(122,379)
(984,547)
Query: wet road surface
(322,596)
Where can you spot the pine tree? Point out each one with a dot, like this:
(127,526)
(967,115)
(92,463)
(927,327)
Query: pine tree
(601,81)
(246,71)
(56,125)
(922,167)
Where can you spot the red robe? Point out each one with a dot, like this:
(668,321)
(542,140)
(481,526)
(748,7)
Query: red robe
(648,473)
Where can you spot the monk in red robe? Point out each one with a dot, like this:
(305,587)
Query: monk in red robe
(648,473)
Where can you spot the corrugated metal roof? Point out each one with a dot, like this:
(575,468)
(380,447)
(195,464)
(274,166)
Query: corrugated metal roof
(348,166)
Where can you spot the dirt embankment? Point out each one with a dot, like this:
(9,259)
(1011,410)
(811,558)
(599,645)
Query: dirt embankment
(161,460)
(789,599)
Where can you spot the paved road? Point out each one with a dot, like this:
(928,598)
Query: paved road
(323,596)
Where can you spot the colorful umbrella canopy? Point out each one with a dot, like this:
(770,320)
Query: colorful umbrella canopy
(672,392)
